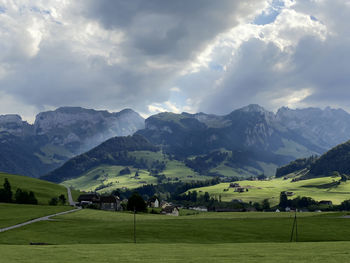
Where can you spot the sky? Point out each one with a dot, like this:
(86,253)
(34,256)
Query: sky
(164,55)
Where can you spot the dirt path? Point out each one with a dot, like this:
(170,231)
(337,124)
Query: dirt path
(70,201)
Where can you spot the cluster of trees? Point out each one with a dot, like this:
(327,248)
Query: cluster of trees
(20,197)
(202,164)
(125,171)
(136,203)
(173,190)
(193,197)
(298,202)
(58,200)
(310,204)
(337,159)
(24,197)
(6,192)
(296,165)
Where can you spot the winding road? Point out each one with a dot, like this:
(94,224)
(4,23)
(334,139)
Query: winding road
(70,201)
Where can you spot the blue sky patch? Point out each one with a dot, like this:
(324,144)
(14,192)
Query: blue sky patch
(269,16)
(313,18)
(216,67)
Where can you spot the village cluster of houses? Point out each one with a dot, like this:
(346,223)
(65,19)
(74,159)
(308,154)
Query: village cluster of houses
(238,188)
(113,203)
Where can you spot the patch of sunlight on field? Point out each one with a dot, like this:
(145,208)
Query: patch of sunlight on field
(271,189)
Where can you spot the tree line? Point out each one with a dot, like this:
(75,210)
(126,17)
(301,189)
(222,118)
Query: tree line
(20,197)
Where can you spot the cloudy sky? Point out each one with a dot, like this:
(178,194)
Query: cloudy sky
(164,55)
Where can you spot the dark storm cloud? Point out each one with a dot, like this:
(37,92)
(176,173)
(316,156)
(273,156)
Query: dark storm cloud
(177,29)
(158,39)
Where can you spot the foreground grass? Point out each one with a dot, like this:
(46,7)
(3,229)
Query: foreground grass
(43,190)
(12,214)
(253,252)
(318,188)
(100,227)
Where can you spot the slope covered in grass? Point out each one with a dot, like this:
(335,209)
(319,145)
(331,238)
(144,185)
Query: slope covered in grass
(106,178)
(43,190)
(325,188)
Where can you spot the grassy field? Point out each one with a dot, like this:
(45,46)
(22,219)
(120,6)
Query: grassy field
(99,227)
(253,252)
(318,188)
(99,236)
(108,175)
(12,214)
(43,190)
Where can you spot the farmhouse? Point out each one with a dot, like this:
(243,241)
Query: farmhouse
(110,203)
(88,199)
(164,204)
(289,193)
(153,202)
(240,189)
(234,185)
(170,210)
(325,202)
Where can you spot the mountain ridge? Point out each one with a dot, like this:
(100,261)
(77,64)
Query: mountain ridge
(58,135)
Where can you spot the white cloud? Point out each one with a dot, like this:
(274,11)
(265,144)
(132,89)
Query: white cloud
(158,56)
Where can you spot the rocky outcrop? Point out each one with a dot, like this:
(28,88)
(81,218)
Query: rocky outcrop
(326,128)
(80,129)
(58,135)
(13,124)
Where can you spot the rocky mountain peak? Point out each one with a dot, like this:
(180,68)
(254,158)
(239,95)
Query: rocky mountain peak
(13,124)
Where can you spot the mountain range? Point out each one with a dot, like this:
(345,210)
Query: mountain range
(247,142)
(56,136)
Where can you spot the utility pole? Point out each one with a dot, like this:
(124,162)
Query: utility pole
(134,225)
(295,225)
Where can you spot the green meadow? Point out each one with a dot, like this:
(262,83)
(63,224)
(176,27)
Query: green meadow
(100,236)
(12,214)
(194,253)
(100,227)
(319,188)
(107,177)
(43,190)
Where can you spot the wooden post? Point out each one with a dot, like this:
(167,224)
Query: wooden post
(134,225)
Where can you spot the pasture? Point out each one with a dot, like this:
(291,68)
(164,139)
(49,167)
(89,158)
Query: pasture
(101,227)
(325,188)
(107,178)
(194,253)
(12,214)
(100,236)
(43,190)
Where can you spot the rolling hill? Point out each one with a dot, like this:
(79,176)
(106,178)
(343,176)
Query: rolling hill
(43,190)
(119,162)
(335,160)
(325,188)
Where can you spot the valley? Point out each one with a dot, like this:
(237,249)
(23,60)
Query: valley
(242,161)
